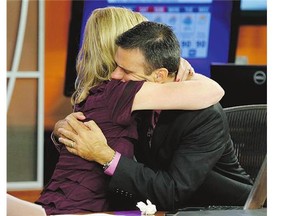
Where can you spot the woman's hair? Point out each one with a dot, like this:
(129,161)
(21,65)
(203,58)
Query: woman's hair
(95,60)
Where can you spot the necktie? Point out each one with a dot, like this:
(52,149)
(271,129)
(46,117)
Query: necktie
(154,119)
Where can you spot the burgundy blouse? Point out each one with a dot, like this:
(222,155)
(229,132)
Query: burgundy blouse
(78,185)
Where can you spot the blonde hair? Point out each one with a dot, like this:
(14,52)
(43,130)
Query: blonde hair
(95,60)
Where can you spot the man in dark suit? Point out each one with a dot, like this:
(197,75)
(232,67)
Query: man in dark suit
(188,159)
(191,162)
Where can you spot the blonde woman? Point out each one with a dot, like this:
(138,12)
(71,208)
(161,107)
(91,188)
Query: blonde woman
(78,185)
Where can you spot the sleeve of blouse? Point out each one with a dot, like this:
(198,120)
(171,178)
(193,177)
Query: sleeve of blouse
(120,99)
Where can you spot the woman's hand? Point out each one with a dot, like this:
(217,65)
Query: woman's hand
(185,71)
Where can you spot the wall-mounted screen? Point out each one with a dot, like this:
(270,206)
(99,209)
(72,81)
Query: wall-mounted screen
(203,27)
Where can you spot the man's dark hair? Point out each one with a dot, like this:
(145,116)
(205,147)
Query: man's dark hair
(156,41)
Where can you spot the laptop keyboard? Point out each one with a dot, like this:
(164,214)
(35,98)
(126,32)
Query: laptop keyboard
(223,207)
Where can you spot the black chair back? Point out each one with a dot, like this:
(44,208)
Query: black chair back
(248,130)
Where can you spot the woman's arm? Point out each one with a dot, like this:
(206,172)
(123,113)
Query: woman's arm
(198,93)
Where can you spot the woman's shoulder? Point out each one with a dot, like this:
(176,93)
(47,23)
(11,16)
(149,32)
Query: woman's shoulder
(123,83)
(118,85)
(115,87)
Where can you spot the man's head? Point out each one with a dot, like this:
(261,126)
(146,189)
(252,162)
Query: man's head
(148,51)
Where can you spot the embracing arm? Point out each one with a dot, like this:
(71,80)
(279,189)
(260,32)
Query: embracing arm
(168,187)
(197,93)
(174,178)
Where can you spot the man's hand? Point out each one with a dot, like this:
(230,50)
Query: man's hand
(64,124)
(88,141)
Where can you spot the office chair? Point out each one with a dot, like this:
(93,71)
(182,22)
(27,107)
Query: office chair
(248,130)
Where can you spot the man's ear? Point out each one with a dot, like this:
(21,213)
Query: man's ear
(160,75)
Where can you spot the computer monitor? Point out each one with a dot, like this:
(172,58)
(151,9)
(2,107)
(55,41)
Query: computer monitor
(206,29)
(253,12)
(243,84)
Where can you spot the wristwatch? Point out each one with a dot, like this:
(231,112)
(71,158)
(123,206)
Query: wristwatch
(107,164)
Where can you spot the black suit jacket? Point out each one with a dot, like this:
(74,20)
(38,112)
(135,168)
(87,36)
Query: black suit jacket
(191,162)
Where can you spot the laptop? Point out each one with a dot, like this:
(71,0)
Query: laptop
(243,84)
(255,200)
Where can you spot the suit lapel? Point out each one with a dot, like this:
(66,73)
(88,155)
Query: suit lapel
(161,130)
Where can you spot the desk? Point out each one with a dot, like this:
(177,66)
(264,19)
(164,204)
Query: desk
(119,213)
(136,213)
(256,212)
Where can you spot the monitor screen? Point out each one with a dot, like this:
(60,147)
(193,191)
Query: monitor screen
(203,27)
(243,84)
(253,12)
(255,5)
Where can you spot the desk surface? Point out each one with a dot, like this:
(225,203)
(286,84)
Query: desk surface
(256,212)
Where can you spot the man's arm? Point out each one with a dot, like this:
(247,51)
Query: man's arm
(191,147)
(87,140)
(199,148)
